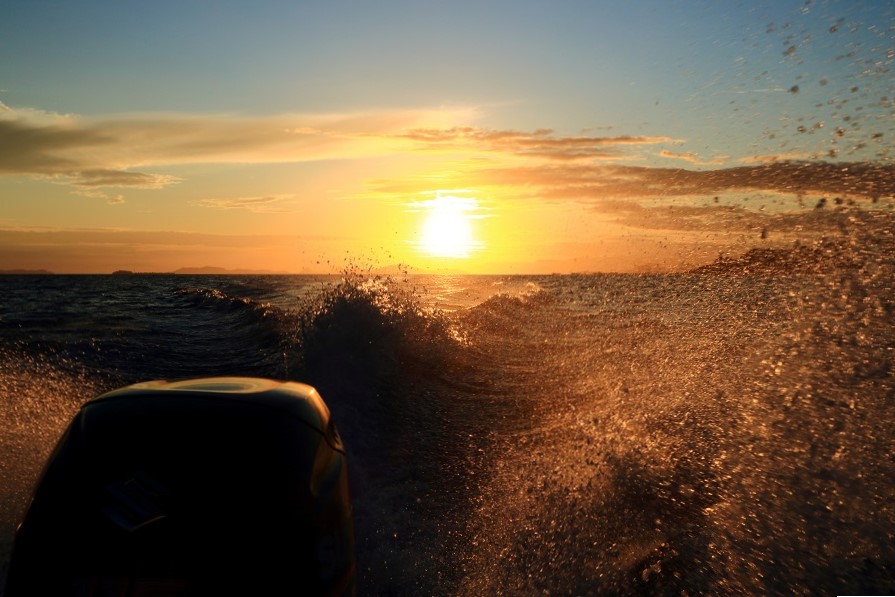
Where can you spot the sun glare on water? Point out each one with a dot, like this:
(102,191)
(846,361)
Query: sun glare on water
(447,229)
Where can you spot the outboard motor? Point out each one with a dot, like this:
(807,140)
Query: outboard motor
(211,487)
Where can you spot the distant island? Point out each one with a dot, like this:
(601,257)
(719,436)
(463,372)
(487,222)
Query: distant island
(19,272)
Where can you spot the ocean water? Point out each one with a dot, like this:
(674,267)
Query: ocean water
(724,431)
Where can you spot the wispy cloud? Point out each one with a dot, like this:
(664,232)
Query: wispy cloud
(541,143)
(718,218)
(855,179)
(121,151)
(270,204)
(774,157)
(693,158)
(121,178)
(95,194)
(602,181)
(697,201)
(127,151)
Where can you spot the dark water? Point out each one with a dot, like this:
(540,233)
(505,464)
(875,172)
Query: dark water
(723,432)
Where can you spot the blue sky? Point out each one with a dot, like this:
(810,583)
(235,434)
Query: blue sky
(164,115)
(575,62)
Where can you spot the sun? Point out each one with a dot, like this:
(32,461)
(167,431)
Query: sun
(447,231)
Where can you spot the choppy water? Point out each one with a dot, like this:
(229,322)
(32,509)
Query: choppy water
(721,432)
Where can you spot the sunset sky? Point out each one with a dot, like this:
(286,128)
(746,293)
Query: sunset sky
(484,137)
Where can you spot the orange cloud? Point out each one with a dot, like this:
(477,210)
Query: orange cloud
(95,194)
(774,157)
(121,178)
(600,181)
(676,198)
(269,204)
(122,152)
(116,151)
(720,218)
(539,143)
(693,158)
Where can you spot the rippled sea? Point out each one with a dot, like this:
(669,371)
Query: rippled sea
(725,431)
